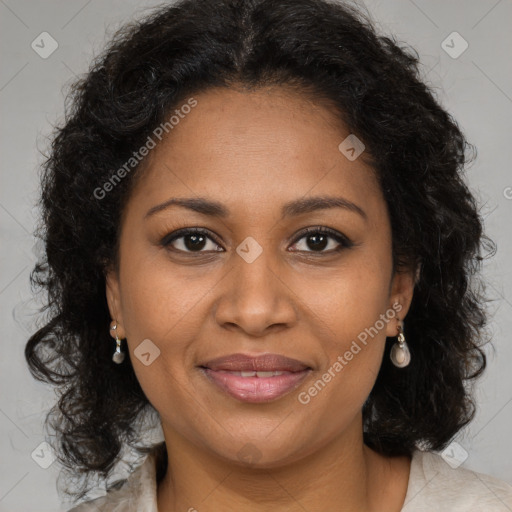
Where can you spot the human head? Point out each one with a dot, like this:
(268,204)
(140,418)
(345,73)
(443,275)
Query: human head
(416,149)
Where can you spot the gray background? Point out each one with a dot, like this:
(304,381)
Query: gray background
(475,87)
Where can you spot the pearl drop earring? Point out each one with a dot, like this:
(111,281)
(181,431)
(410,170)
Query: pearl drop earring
(400,355)
(118,356)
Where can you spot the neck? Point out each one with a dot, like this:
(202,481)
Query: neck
(343,475)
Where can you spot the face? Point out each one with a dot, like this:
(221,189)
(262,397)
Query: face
(251,281)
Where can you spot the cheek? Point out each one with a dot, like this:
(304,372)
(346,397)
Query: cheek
(160,304)
(353,335)
(158,307)
(351,297)
(156,299)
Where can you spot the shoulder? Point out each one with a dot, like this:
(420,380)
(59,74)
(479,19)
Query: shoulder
(137,493)
(433,483)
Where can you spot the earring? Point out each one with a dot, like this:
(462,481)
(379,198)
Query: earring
(118,356)
(400,355)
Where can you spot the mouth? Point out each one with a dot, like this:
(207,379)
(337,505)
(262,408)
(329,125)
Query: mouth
(255,379)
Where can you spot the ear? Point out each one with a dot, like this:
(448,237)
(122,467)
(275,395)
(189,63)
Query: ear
(114,300)
(401,292)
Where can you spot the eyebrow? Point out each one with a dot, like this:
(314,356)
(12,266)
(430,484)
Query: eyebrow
(297,207)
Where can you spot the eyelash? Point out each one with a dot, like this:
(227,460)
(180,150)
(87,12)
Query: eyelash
(345,243)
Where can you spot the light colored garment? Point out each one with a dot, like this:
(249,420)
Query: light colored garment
(433,487)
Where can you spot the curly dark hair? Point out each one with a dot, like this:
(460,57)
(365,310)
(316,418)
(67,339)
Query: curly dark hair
(333,52)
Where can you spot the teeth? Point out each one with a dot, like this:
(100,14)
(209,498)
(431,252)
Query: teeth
(268,374)
(258,374)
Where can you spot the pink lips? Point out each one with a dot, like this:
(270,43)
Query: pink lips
(265,385)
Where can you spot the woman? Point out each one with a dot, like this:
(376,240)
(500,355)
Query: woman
(263,205)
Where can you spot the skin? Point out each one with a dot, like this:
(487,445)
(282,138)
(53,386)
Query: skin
(253,152)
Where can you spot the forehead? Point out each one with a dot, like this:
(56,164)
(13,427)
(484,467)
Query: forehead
(263,147)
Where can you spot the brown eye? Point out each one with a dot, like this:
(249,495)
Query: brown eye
(191,240)
(321,240)
(317,242)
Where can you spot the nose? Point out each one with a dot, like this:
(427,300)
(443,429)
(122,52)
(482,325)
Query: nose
(255,298)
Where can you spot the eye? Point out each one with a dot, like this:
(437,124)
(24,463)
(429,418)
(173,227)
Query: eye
(318,239)
(191,240)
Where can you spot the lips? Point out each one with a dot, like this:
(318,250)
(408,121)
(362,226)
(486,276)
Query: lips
(255,379)
(261,363)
